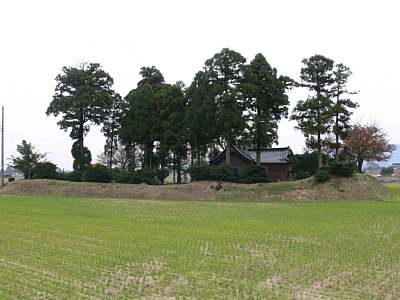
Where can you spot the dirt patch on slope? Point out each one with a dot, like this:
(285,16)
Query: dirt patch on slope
(358,187)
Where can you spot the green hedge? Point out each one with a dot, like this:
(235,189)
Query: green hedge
(342,168)
(97,173)
(140,176)
(252,174)
(322,175)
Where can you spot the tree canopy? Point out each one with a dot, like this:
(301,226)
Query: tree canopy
(224,73)
(159,126)
(83,96)
(28,159)
(369,143)
(266,102)
(313,115)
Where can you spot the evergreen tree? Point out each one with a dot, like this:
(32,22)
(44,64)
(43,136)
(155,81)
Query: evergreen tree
(81,161)
(200,117)
(224,73)
(314,115)
(141,123)
(83,96)
(266,102)
(341,107)
(174,134)
(111,126)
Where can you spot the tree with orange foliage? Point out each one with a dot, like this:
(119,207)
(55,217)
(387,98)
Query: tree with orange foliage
(369,143)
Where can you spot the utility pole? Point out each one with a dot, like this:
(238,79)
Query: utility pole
(2,147)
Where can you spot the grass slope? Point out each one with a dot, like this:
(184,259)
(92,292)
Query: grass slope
(54,247)
(359,186)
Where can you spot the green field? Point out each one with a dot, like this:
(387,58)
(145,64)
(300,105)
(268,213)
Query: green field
(87,248)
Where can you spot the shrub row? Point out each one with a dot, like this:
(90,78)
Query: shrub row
(339,168)
(100,173)
(141,176)
(252,174)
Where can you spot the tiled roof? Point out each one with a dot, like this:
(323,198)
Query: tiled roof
(271,155)
(268,155)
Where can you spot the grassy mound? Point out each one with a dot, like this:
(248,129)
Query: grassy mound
(358,187)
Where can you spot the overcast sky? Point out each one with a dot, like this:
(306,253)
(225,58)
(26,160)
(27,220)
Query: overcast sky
(38,38)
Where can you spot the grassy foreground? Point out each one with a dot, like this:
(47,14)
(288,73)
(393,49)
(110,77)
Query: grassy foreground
(60,247)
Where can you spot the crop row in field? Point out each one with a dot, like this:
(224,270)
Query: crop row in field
(57,247)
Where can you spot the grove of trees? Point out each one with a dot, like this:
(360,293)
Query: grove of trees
(158,126)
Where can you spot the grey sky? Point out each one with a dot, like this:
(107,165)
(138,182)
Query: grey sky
(39,37)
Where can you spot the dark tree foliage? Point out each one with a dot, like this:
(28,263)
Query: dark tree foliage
(200,117)
(45,170)
(174,133)
(254,174)
(110,128)
(342,106)
(97,173)
(142,123)
(83,96)
(150,75)
(224,73)
(322,175)
(314,115)
(342,168)
(223,172)
(387,171)
(304,165)
(81,161)
(266,102)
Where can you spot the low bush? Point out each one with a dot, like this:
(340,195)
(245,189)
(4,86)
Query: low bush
(97,173)
(125,177)
(145,176)
(75,176)
(254,174)
(342,168)
(137,177)
(199,172)
(322,175)
(301,175)
(223,173)
(46,170)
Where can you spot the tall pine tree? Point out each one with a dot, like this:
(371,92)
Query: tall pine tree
(342,106)
(314,115)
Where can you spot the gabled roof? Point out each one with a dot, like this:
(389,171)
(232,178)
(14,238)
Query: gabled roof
(396,165)
(268,155)
(347,151)
(271,155)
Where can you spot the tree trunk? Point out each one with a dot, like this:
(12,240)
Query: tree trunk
(258,153)
(111,150)
(319,151)
(178,169)
(198,156)
(359,165)
(228,151)
(148,154)
(80,138)
(337,125)
(173,167)
(191,155)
